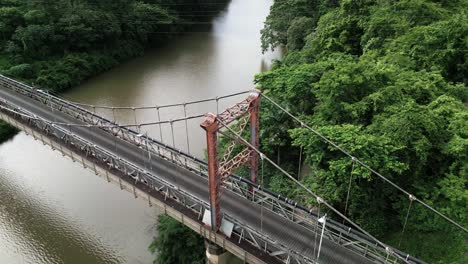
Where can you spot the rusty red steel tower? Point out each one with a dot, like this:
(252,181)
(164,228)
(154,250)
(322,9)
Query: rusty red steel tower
(220,170)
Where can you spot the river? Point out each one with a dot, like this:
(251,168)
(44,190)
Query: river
(54,211)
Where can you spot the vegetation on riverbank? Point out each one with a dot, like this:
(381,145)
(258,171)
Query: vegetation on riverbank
(386,80)
(176,243)
(6,131)
(56,44)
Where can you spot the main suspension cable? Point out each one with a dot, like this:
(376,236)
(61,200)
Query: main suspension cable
(34,117)
(159,106)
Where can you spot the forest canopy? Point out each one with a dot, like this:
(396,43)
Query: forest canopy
(386,80)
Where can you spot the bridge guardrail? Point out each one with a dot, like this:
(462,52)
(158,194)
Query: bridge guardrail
(337,232)
(169,190)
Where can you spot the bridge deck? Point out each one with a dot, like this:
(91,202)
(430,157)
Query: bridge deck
(275,226)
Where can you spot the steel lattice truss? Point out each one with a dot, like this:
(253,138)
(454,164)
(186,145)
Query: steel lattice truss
(219,171)
(228,165)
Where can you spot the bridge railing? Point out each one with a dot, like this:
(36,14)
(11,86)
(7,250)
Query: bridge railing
(336,232)
(58,104)
(241,232)
(287,208)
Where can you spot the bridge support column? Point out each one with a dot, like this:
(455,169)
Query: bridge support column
(211,126)
(216,254)
(254,138)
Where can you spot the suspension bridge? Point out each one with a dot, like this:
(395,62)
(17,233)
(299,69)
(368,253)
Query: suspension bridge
(231,212)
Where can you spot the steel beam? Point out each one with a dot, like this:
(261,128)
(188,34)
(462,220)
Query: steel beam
(211,127)
(254,129)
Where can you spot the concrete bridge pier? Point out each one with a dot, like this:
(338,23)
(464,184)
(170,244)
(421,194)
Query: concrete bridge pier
(216,254)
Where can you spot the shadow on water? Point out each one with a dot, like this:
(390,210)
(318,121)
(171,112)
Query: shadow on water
(54,211)
(51,237)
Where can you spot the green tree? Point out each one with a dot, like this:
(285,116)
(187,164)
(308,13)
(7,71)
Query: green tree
(10,19)
(36,17)
(146,19)
(34,39)
(176,243)
(299,29)
(6,131)
(438,46)
(275,31)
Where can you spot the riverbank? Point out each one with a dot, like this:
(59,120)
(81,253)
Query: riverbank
(57,46)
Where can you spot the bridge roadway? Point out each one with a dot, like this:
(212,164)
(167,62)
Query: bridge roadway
(289,233)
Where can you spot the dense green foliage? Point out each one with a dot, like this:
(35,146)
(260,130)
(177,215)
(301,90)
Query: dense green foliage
(6,131)
(176,243)
(386,80)
(56,44)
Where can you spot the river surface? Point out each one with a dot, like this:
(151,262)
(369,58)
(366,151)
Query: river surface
(54,211)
